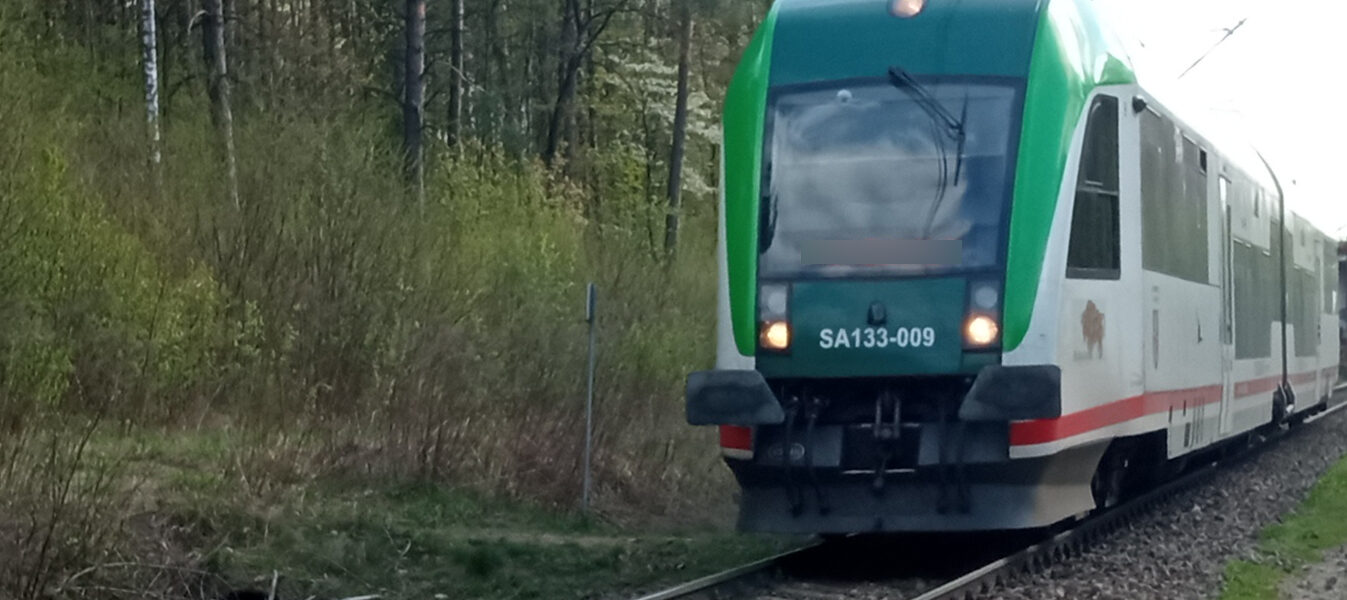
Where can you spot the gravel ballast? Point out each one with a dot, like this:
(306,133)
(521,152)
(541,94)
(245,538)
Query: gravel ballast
(1180,548)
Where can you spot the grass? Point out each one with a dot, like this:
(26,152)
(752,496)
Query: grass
(336,537)
(418,542)
(1300,539)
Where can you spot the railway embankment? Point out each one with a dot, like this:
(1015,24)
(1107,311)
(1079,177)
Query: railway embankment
(1238,533)
(1303,554)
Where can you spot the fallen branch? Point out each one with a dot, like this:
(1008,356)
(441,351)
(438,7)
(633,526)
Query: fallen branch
(65,585)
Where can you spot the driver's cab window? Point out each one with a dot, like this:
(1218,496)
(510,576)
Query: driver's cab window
(1095,251)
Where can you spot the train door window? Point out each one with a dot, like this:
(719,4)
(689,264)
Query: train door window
(1095,249)
(1194,241)
(1329,273)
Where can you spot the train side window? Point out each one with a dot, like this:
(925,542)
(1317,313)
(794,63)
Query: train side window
(1095,250)
(1173,201)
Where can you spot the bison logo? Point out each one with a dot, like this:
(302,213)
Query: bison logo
(1092,327)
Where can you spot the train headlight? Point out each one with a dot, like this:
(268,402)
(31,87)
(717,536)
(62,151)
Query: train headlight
(985,296)
(981,330)
(775,336)
(907,9)
(773,302)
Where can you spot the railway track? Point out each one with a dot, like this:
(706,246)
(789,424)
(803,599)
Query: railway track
(772,579)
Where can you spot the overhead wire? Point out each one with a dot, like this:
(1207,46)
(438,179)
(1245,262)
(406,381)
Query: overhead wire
(1228,34)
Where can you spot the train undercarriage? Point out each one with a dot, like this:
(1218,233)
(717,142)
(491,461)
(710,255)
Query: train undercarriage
(908,455)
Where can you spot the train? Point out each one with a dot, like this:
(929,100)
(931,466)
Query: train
(975,274)
(1342,309)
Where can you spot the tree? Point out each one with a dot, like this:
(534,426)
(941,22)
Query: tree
(456,75)
(150,59)
(414,96)
(680,128)
(581,27)
(213,41)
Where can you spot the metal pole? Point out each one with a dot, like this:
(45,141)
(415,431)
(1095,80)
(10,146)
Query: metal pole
(591,316)
(1281,237)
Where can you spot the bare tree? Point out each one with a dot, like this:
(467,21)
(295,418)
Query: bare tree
(213,41)
(414,96)
(680,128)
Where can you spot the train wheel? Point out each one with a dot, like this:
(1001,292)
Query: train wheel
(1283,406)
(1107,486)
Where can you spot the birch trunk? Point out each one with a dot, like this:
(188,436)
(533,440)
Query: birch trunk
(213,34)
(150,58)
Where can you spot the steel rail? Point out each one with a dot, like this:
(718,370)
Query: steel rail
(1077,539)
(711,581)
(1331,409)
(1029,559)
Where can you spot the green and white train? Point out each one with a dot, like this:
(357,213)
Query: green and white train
(975,276)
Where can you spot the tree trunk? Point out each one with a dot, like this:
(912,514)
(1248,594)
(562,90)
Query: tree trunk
(150,58)
(213,34)
(570,63)
(490,120)
(680,129)
(457,78)
(414,97)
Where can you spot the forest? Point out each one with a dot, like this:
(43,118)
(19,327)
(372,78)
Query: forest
(257,253)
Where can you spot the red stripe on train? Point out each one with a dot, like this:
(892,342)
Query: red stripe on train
(1042,431)
(1265,385)
(1304,378)
(734,437)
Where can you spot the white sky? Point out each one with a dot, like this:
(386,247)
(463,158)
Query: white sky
(1279,78)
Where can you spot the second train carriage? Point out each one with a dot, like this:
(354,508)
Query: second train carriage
(974,275)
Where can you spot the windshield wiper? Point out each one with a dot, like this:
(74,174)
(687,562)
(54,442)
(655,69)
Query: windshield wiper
(954,128)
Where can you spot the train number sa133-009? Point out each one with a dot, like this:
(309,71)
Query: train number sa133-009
(876,337)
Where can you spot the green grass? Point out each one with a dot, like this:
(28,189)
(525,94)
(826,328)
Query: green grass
(1245,580)
(417,541)
(330,537)
(1300,539)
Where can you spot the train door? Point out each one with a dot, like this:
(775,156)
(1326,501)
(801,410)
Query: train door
(1226,255)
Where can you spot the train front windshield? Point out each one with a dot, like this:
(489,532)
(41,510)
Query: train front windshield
(876,179)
